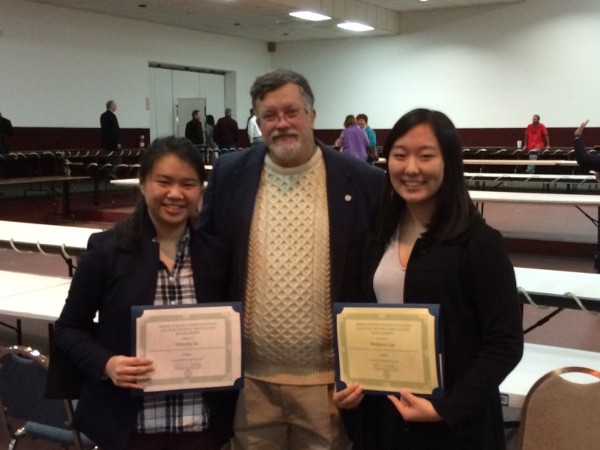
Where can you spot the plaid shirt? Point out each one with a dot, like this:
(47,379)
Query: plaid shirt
(174,413)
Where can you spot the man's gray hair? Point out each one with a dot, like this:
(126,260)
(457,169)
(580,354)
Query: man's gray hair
(272,81)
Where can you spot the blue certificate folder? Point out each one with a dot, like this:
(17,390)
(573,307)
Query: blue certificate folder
(209,321)
(387,347)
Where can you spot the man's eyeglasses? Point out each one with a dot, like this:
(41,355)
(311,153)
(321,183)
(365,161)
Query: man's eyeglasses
(289,115)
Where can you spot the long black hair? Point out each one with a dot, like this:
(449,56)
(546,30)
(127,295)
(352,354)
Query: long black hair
(453,205)
(129,232)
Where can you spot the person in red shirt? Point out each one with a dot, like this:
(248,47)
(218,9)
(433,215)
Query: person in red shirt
(536,140)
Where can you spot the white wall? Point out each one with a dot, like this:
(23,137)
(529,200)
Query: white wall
(58,66)
(167,87)
(483,66)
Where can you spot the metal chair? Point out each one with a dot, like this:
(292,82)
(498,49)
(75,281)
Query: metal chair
(482,153)
(23,373)
(562,414)
(120,171)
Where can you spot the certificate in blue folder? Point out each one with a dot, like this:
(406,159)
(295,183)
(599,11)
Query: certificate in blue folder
(386,347)
(195,346)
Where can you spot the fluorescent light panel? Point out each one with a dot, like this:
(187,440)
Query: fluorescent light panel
(309,15)
(316,17)
(355,26)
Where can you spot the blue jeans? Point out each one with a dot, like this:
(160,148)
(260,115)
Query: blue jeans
(533,155)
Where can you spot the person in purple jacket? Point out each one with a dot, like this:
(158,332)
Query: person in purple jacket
(353,140)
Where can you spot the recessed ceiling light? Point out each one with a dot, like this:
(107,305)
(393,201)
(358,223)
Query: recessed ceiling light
(355,26)
(309,15)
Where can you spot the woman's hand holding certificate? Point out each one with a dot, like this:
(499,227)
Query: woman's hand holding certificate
(350,397)
(387,348)
(413,408)
(192,347)
(129,371)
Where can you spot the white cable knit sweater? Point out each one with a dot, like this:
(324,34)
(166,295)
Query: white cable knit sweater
(287,312)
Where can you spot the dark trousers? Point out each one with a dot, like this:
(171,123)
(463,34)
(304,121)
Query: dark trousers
(169,441)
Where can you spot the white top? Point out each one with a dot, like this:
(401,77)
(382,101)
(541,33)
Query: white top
(388,281)
(253,130)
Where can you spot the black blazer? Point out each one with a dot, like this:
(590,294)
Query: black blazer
(109,127)
(108,281)
(590,161)
(472,279)
(194,132)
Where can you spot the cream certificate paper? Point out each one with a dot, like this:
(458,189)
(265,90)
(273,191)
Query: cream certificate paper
(388,348)
(193,347)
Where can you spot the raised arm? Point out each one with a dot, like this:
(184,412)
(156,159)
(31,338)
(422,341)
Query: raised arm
(590,161)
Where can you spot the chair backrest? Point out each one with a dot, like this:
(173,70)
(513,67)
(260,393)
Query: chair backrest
(23,373)
(562,414)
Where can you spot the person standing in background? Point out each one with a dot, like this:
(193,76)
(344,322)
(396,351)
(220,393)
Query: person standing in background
(353,139)
(536,140)
(249,117)
(372,152)
(363,122)
(193,129)
(226,131)
(209,131)
(295,215)
(109,127)
(111,136)
(254,134)
(6,129)
(590,161)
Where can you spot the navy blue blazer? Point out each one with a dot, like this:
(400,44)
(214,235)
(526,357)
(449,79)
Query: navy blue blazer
(352,189)
(109,281)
